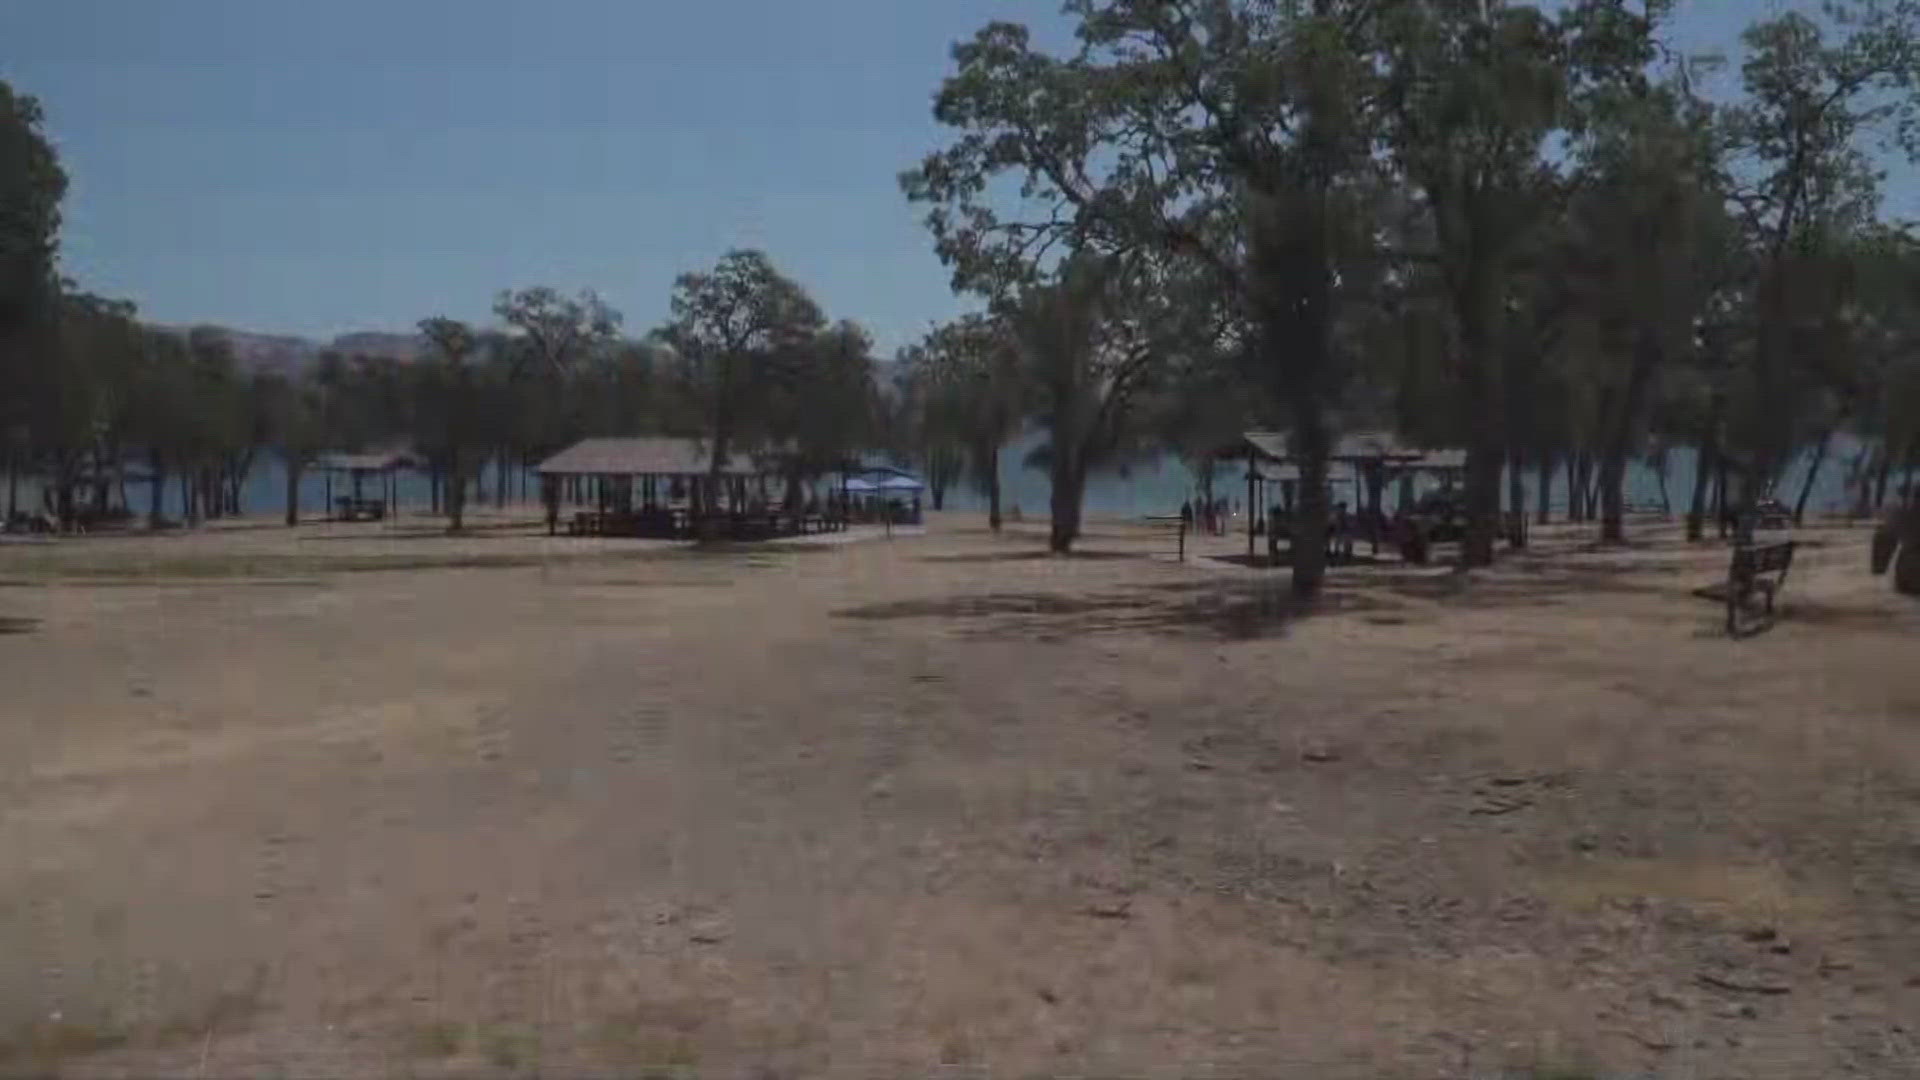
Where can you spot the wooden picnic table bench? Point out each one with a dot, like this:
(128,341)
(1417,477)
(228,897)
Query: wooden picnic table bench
(1755,570)
(352,509)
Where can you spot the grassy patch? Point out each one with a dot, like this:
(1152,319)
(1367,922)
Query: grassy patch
(47,1043)
(1742,893)
(435,1039)
(510,1048)
(1559,1072)
(656,1035)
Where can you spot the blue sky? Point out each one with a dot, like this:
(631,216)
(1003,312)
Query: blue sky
(317,168)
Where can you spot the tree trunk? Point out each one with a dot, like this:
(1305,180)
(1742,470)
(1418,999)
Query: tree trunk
(1666,499)
(993,492)
(1720,494)
(1486,451)
(1308,546)
(1478,304)
(100,485)
(1573,488)
(156,490)
(1899,542)
(1517,498)
(1613,471)
(13,486)
(456,493)
(63,503)
(189,511)
(1577,468)
(1882,470)
(1544,497)
(938,489)
(1858,489)
(1613,465)
(1069,484)
(1702,480)
(1813,473)
(293,491)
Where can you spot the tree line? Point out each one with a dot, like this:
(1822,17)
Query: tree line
(89,395)
(1517,230)
(1520,231)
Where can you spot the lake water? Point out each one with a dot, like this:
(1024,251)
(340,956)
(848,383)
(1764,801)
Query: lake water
(1157,487)
(1160,487)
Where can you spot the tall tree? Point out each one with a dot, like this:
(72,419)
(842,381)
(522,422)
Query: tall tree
(1649,223)
(32,184)
(448,399)
(738,333)
(555,335)
(932,422)
(1095,343)
(1800,177)
(974,364)
(1227,135)
(823,415)
(294,414)
(1476,88)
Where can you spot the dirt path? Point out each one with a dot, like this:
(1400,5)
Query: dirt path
(396,805)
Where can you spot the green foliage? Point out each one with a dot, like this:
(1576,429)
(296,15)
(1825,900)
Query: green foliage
(32,184)
(742,336)
(977,394)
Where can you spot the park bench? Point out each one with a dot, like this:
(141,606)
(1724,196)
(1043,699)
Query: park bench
(1757,570)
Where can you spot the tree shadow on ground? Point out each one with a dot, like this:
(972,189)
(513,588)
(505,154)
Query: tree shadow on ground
(1537,586)
(491,530)
(1030,556)
(1837,617)
(1237,611)
(1753,628)
(13,624)
(1260,561)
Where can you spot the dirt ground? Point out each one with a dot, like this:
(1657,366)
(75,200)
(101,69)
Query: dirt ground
(365,801)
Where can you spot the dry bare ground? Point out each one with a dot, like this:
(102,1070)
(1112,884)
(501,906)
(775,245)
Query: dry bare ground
(365,801)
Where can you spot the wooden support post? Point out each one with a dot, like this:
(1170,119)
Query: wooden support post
(1249,505)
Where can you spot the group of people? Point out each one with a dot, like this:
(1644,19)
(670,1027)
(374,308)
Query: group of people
(1209,516)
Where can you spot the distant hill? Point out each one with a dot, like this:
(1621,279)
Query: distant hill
(374,343)
(289,355)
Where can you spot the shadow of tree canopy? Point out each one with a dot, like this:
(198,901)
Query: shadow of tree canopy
(1535,585)
(1031,556)
(1284,560)
(1837,617)
(487,531)
(13,624)
(1236,611)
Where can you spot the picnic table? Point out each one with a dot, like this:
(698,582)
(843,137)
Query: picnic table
(352,509)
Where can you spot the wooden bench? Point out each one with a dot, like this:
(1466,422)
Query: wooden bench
(352,509)
(1755,570)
